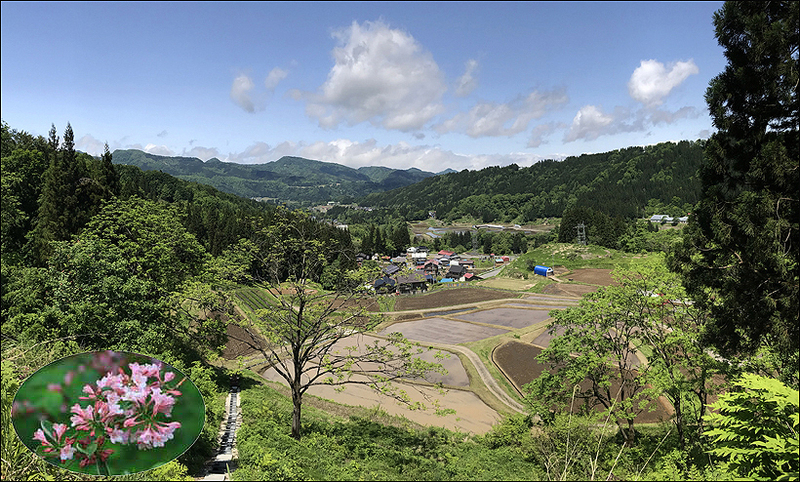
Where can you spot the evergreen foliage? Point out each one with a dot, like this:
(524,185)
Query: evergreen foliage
(619,183)
(287,179)
(741,250)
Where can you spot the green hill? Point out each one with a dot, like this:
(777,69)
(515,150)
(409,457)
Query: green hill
(625,183)
(287,179)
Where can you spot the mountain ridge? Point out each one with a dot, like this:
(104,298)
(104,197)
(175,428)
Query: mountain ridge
(290,178)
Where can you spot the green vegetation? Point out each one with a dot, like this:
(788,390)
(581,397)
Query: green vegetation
(627,183)
(285,180)
(740,256)
(97,255)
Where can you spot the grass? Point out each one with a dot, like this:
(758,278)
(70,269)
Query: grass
(483,348)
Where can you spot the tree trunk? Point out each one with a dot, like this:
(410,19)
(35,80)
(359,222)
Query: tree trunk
(679,422)
(297,401)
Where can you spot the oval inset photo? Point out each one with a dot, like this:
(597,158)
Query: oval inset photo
(108,413)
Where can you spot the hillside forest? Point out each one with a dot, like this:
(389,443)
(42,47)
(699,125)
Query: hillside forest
(98,254)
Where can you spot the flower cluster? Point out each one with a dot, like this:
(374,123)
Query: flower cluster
(123,409)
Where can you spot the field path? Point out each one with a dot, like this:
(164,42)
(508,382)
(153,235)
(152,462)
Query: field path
(486,377)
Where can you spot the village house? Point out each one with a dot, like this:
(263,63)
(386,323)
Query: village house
(412,282)
(456,272)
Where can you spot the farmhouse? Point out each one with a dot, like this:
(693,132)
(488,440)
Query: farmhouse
(384,285)
(457,272)
(412,282)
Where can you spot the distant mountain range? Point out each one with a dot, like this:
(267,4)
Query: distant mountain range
(287,179)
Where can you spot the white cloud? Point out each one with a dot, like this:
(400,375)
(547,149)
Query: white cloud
(368,153)
(467,82)
(589,123)
(489,119)
(382,76)
(658,116)
(202,153)
(158,150)
(90,145)
(274,77)
(652,80)
(240,92)
(539,132)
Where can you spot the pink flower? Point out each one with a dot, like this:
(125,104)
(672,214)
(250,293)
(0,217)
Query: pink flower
(83,418)
(130,422)
(149,438)
(168,377)
(87,389)
(137,394)
(168,429)
(67,452)
(54,387)
(59,429)
(118,436)
(39,435)
(161,403)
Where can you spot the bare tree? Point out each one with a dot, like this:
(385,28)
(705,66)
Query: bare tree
(314,333)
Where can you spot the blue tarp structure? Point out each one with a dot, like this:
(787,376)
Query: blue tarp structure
(446,280)
(543,271)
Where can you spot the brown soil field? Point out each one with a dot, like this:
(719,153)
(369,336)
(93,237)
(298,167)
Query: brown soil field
(566,289)
(517,361)
(241,341)
(442,330)
(591,276)
(595,276)
(449,297)
(508,317)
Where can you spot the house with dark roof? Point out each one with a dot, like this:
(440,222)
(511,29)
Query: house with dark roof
(456,272)
(431,267)
(412,282)
(384,285)
(391,270)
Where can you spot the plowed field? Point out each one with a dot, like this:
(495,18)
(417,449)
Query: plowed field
(518,361)
(449,297)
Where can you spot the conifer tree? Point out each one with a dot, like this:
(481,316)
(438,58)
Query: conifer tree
(56,216)
(108,176)
(740,252)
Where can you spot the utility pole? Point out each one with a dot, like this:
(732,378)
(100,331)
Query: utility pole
(581,228)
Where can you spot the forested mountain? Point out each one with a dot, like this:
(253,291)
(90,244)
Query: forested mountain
(287,179)
(619,183)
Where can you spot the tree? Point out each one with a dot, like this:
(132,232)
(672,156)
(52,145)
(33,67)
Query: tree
(400,238)
(670,330)
(134,280)
(56,216)
(593,359)
(755,429)
(311,331)
(740,252)
(598,342)
(107,175)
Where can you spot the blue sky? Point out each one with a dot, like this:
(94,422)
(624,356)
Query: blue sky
(432,85)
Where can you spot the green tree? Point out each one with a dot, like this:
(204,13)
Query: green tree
(740,249)
(107,175)
(134,280)
(56,217)
(755,429)
(631,343)
(401,238)
(594,360)
(313,333)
